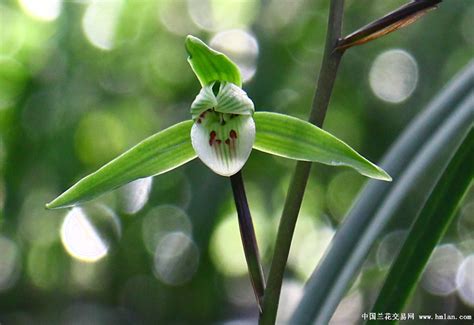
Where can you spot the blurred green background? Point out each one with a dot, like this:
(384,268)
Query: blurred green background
(81,81)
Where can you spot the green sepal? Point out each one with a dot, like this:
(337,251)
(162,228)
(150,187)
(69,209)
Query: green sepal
(155,155)
(210,65)
(289,137)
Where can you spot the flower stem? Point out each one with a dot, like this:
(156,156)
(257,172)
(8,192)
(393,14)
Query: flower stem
(327,76)
(249,241)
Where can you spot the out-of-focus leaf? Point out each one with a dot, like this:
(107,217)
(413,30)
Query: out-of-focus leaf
(428,230)
(155,155)
(210,65)
(438,131)
(289,137)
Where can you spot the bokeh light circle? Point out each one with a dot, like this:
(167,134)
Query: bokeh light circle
(241,47)
(81,237)
(439,277)
(310,241)
(100,21)
(389,248)
(349,309)
(393,76)
(46,10)
(465,281)
(214,15)
(8,263)
(135,195)
(162,220)
(176,258)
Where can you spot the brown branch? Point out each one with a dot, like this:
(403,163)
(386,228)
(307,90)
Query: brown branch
(399,18)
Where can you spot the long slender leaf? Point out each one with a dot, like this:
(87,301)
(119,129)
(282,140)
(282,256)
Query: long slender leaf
(210,65)
(428,230)
(155,155)
(331,279)
(289,137)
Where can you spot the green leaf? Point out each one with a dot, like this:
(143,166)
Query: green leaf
(289,137)
(155,155)
(418,155)
(210,65)
(428,230)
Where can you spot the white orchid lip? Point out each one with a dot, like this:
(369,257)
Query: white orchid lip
(224,131)
(223,146)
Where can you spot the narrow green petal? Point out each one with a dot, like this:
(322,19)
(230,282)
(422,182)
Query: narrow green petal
(204,100)
(289,137)
(233,100)
(223,142)
(155,155)
(210,65)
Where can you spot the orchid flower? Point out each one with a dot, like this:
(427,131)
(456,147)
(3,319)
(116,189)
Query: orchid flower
(222,133)
(223,130)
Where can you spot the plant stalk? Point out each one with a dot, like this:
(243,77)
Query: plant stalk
(327,76)
(249,240)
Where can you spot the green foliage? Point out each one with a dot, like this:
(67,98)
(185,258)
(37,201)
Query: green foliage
(428,230)
(155,155)
(289,137)
(416,160)
(70,65)
(222,139)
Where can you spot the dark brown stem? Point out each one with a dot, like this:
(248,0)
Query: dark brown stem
(249,240)
(399,18)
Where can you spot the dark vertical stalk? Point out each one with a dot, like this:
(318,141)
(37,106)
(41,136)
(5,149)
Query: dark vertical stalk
(299,180)
(249,241)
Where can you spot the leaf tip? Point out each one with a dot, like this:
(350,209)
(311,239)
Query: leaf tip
(190,42)
(383,175)
(54,204)
(50,205)
(60,202)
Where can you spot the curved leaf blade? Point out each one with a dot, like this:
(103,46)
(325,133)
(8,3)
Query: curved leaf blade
(418,156)
(289,137)
(155,155)
(210,65)
(428,230)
